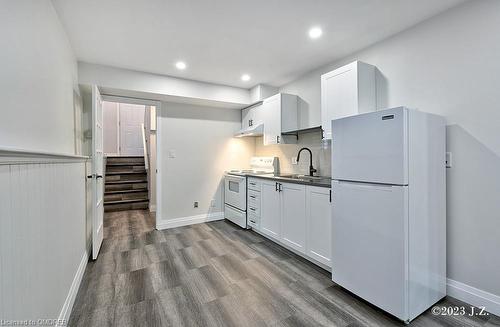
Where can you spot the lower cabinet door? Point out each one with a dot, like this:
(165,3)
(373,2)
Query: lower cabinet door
(319,230)
(270,210)
(293,223)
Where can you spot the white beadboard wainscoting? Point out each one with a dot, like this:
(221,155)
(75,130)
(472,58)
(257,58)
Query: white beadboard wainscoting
(43,251)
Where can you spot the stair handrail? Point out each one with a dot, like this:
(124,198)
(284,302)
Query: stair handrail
(145,149)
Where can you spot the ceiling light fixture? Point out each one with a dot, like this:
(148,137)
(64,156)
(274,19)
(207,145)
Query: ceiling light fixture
(315,32)
(245,77)
(180,65)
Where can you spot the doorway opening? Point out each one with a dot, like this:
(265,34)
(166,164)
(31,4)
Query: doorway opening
(129,144)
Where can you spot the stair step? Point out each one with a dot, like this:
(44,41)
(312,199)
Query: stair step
(125,167)
(124,163)
(125,172)
(124,160)
(115,198)
(124,186)
(125,196)
(126,206)
(126,177)
(126,191)
(132,181)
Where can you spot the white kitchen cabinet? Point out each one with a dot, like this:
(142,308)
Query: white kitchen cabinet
(318,224)
(251,117)
(270,209)
(347,91)
(293,216)
(279,116)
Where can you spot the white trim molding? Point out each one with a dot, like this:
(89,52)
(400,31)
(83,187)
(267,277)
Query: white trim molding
(474,296)
(152,208)
(73,291)
(15,156)
(190,220)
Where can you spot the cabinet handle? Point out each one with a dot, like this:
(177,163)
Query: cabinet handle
(250,122)
(330,195)
(322,133)
(280,188)
(252,221)
(276,186)
(252,196)
(253,209)
(277,139)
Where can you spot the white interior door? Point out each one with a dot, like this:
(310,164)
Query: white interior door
(97,172)
(131,118)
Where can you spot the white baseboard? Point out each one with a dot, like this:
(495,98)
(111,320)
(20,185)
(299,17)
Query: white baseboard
(73,290)
(474,296)
(190,220)
(152,208)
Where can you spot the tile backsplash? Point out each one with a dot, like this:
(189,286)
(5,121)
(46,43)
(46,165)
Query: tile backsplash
(285,153)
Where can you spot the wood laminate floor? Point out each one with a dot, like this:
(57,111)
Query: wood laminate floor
(216,274)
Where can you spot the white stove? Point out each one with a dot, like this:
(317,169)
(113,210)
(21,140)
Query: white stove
(245,172)
(235,187)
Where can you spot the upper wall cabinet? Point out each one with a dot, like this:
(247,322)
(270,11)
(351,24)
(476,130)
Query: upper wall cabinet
(251,117)
(347,91)
(279,116)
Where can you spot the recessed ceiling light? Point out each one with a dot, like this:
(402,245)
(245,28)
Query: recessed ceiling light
(315,32)
(245,77)
(180,65)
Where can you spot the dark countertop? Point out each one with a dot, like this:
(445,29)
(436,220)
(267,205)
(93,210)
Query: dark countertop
(285,178)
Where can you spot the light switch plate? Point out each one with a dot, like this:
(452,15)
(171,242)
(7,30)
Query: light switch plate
(171,153)
(449,159)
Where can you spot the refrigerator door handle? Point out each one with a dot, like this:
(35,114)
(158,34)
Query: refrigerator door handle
(367,184)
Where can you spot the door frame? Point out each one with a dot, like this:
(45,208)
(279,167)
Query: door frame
(158,105)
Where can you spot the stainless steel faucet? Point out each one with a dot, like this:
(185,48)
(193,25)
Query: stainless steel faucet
(311,168)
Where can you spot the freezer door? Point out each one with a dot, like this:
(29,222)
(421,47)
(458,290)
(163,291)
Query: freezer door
(369,243)
(371,147)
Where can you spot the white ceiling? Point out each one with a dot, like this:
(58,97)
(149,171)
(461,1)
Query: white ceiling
(222,39)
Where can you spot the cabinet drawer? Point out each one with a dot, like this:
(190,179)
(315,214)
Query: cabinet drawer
(254,210)
(254,197)
(254,221)
(254,184)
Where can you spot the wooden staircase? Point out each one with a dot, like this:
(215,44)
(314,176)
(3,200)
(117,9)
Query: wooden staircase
(126,184)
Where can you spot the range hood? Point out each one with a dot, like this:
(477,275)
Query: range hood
(257,130)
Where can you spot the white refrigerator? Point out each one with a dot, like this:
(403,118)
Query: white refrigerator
(389,209)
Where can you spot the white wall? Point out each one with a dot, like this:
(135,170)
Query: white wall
(42,237)
(123,82)
(38,74)
(448,65)
(42,210)
(201,138)
(285,153)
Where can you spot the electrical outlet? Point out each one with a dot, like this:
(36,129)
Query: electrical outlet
(212,203)
(294,161)
(449,159)
(195,204)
